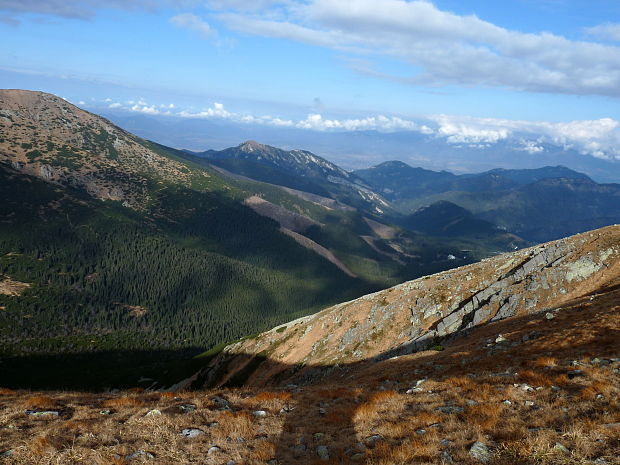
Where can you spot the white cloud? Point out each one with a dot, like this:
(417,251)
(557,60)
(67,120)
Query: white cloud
(599,138)
(114,105)
(193,23)
(149,110)
(217,111)
(609,31)
(380,123)
(446,47)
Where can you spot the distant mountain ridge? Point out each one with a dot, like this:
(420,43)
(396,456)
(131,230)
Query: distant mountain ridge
(537,204)
(300,162)
(397,180)
(296,169)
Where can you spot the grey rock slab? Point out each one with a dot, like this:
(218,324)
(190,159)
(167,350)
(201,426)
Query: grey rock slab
(322,452)
(480,451)
(138,454)
(213,450)
(561,448)
(191,432)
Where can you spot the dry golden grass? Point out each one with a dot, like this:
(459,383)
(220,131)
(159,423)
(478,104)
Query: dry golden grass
(265,396)
(39,401)
(125,401)
(545,362)
(536,378)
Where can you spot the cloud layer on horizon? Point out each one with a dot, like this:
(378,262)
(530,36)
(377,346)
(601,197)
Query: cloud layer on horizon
(599,138)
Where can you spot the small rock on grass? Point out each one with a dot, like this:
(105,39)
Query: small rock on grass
(187,408)
(153,412)
(322,452)
(370,441)
(446,457)
(561,448)
(42,413)
(259,413)
(213,450)
(191,432)
(139,453)
(480,451)
(450,409)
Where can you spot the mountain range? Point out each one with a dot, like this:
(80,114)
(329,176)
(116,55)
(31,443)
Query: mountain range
(259,305)
(110,242)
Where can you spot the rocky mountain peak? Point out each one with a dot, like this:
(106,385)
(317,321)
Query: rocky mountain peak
(251,146)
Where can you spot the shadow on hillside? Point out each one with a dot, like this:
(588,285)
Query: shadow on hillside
(97,371)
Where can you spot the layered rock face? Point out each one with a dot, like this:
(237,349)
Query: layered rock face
(418,314)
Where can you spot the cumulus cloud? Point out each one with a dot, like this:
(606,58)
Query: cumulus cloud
(382,123)
(448,48)
(115,105)
(216,111)
(608,31)
(149,110)
(599,138)
(193,23)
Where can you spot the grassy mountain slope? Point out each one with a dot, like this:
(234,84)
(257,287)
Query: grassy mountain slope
(124,245)
(429,311)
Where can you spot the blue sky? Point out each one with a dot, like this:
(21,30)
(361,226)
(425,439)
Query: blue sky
(469,71)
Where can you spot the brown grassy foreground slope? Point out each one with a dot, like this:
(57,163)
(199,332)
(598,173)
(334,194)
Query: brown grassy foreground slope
(553,385)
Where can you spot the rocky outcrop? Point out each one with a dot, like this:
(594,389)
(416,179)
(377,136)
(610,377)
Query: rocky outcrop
(419,314)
